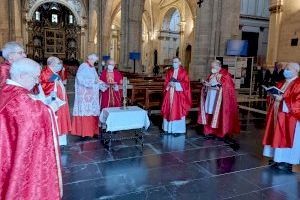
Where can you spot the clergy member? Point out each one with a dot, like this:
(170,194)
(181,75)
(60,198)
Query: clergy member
(86,106)
(177,99)
(11,52)
(218,104)
(29,151)
(53,86)
(282,134)
(112,96)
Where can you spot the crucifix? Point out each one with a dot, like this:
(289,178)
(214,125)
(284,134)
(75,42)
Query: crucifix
(124,88)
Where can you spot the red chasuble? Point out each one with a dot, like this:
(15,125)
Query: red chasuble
(280,130)
(4,73)
(29,151)
(225,119)
(63,114)
(111,98)
(182,100)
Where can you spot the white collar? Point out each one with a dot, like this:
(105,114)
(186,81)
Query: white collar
(11,82)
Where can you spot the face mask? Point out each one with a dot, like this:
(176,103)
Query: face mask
(175,65)
(214,70)
(110,67)
(58,67)
(288,74)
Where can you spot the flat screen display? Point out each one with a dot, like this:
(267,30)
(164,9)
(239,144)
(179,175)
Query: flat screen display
(237,48)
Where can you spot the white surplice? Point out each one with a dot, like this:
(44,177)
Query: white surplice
(211,96)
(177,126)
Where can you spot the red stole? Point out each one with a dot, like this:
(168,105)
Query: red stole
(280,131)
(4,73)
(182,100)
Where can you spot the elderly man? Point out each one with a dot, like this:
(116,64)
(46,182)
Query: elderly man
(52,86)
(86,106)
(282,135)
(177,99)
(112,96)
(29,151)
(218,104)
(11,52)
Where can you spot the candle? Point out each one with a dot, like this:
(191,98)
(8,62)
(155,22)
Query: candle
(124,87)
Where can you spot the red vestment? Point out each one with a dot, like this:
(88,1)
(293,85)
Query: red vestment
(110,97)
(280,130)
(225,119)
(63,113)
(4,72)
(29,151)
(182,100)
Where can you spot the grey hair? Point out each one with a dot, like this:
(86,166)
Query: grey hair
(10,47)
(216,62)
(295,66)
(24,65)
(93,57)
(52,60)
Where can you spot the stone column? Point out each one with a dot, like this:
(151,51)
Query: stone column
(4,22)
(200,49)
(131,32)
(274,31)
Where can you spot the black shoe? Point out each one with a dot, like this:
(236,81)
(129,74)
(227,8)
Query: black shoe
(271,162)
(285,167)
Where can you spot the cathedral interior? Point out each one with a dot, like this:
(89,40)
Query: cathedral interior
(188,166)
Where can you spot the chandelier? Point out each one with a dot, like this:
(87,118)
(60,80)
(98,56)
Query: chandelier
(200,3)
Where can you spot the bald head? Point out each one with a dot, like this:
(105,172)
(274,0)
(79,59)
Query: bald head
(291,70)
(176,63)
(26,72)
(92,58)
(13,51)
(54,63)
(215,66)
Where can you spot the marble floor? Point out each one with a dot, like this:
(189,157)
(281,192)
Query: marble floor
(186,167)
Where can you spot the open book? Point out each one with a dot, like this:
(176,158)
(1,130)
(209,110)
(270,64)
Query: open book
(273,90)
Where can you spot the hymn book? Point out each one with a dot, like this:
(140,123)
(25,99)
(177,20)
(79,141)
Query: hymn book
(273,90)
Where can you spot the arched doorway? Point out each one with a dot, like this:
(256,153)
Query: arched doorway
(155,57)
(53,31)
(188,57)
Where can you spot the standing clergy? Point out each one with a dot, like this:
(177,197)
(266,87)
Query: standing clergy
(29,152)
(52,86)
(86,106)
(112,96)
(177,99)
(218,104)
(11,52)
(282,134)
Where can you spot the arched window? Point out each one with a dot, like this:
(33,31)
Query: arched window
(37,16)
(71,19)
(175,22)
(54,18)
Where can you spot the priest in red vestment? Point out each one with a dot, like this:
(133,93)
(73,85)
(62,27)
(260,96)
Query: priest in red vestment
(282,135)
(52,86)
(29,151)
(218,104)
(11,52)
(112,96)
(177,99)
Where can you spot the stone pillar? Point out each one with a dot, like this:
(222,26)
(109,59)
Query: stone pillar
(93,26)
(182,42)
(274,31)
(131,32)
(104,27)
(200,50)
(4,22)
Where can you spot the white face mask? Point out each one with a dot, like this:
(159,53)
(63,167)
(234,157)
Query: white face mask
(175,65)
(110,67)
(57,68)
(214,70)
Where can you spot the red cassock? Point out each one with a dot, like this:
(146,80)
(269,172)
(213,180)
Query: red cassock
(29,151)
(4,72)
(225,119)
(111,98)
(280,132)
(182,101)
(63,114)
